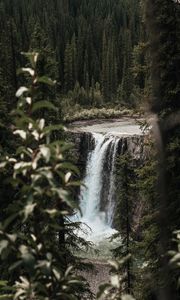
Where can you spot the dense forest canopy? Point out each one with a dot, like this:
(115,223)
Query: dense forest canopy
(91,45)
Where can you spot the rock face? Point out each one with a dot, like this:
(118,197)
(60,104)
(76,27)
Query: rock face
(84,143)
(133,145)
(131,138)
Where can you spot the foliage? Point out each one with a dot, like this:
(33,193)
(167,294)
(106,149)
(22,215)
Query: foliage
(175,257)
(146,249)
(34,235)
(163,32)
(115,289)
(89,114)
(128,201)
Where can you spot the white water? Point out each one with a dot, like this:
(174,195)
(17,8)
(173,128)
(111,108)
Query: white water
(90,196)
(111,194)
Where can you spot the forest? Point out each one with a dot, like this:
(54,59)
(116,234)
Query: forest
(95,49)
(89,149)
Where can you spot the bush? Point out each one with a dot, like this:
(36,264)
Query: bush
(33,237)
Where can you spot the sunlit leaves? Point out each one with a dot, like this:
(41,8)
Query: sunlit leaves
(21,133)
(175,254)
(115,281)
(25,289)
(3,245)
(3,164)
(21,91)
(127,297)
(67,177)
(46,152)
(46,80)
(4,287)
(30,71)
(28,210)
(32,57)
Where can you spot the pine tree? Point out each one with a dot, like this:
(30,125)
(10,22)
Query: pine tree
(81,25)
(163,28)
(127,79)
(104,67)
(124,213)
(74,54)
(47,64)
(68,68)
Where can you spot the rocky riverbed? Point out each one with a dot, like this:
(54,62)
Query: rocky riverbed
(97,276)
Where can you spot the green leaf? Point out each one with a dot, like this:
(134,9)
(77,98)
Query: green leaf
(3,164)
(74,183)
(28,210)
(3,245)
(15,265)
(6,297)
(68,166)
(45,152)
(52,212)
(68,271)
(46,80)
(30,71)
(12,237)
(21,133)
(21,91)
(32,57)
(175,258)
(102,289)
(43,104)
(114,264)
(127,297)
(26,256)
(10,220)
(49,129)
(3,283)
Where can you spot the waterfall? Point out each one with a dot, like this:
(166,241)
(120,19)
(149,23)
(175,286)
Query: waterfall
(111,193)
(98,219)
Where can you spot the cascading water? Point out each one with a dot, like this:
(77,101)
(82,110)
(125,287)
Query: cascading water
(99,220)
(111,194)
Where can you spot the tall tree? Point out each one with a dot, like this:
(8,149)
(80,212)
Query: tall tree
(163,19)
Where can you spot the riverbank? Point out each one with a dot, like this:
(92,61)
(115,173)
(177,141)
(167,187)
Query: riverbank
(79,114)
(117,126)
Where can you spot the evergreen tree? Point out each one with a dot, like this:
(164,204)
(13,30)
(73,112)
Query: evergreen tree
(75,32)
(163,29)
(127,79)
(68,68)
(124,214)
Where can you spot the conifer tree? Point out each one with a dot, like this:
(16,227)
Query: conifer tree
(68,68)
(163,28)
(79,26)
(127,79)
